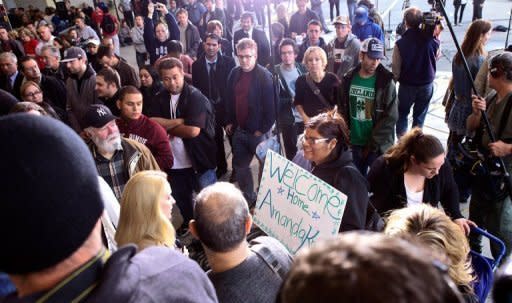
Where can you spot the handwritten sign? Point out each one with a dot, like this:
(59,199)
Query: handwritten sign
(294,206)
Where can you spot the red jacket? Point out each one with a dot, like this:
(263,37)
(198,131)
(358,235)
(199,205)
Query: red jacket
(151,134)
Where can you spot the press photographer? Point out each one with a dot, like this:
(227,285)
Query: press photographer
(490,206)
(414,66)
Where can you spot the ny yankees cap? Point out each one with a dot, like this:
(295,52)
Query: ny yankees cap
(97,116)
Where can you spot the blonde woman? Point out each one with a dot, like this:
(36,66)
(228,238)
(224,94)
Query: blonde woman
(316,91)
(435,229)
(146,207)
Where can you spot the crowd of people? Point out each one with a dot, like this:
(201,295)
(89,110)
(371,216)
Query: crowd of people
(114,193)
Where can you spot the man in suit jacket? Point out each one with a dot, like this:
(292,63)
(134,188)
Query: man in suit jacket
(11,78)
(248,31)
(210,74)
(54,89)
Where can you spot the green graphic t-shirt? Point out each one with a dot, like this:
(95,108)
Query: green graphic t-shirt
(362,99)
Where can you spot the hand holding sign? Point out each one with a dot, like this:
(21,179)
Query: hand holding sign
(294,206)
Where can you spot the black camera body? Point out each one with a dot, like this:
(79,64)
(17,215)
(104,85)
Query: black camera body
(430,21)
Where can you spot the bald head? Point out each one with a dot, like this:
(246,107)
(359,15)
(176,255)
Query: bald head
(220,215)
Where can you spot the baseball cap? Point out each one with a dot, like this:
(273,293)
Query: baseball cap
(373,47)
(97,116)
(93,41)
(361,14)
(342,20)
(73,53)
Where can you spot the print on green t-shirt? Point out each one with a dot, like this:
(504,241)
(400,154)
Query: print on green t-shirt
(362,99)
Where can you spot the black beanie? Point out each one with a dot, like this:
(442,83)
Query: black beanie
(50,198)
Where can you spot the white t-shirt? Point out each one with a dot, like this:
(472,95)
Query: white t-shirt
(181,158)
(413,198)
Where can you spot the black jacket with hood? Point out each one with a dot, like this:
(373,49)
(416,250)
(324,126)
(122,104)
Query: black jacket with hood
(344,176)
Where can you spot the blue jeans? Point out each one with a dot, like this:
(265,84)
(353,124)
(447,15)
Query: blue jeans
(362,161)
(207,178)
(183,184)
(244,149)
(408,95)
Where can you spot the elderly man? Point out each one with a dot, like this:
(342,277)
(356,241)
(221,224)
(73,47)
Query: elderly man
(10,77)
(240,271)
(53,67)
(66,261)
(117,158)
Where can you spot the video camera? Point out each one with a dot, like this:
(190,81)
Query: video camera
(432,18)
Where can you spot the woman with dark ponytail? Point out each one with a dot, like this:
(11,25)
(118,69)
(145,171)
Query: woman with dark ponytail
(414,171)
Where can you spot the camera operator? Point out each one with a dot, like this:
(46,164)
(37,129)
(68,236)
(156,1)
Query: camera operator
(492,209)
(414,66)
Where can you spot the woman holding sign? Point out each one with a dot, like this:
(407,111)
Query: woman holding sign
(414,171)
(325,144)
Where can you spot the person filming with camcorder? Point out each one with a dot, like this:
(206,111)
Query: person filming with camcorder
(414,66)
(490,206)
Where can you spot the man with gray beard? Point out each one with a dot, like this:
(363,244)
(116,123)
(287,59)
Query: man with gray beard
(116,158)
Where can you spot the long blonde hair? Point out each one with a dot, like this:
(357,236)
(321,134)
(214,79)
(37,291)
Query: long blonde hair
(434,228)
(141,220)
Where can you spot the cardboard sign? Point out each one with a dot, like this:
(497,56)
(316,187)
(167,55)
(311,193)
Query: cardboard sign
(296,207)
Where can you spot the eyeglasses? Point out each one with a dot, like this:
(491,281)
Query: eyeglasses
(33,94)
(313,141)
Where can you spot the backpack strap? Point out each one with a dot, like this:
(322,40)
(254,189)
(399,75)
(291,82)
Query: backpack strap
(266,255)
(282,81)
(316,91)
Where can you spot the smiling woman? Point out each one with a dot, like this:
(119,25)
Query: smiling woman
(325,144)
